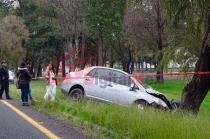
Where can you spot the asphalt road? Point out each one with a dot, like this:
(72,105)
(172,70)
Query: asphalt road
(13,126)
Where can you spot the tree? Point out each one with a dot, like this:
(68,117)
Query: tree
(199,13)
(105,20)
(71,18)
(140,33)
(120,50)
(13,33)
(45,42)
(146,25)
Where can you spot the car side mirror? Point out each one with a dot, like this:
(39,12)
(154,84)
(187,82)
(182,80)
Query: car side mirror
(133,87)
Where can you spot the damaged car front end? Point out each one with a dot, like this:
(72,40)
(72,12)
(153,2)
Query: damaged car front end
(162,101)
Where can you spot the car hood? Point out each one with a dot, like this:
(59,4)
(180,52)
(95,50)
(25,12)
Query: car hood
(151,90)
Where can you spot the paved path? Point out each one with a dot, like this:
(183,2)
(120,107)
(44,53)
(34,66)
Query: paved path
(17,122)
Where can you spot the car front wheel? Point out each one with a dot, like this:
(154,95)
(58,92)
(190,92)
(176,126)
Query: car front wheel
(141,104)
(76,94)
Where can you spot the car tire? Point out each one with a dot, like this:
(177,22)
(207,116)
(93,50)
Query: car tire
(76,94)
(141,104)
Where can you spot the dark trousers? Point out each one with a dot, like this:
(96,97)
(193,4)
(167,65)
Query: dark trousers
(24,92)
(4,88)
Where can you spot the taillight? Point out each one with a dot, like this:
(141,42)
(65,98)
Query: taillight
(68,76)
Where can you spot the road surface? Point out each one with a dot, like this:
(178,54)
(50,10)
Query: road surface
(17,122)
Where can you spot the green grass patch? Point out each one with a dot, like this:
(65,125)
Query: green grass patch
(113,121)
(173,88)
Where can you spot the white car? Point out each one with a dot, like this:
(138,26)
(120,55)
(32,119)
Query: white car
(111,85)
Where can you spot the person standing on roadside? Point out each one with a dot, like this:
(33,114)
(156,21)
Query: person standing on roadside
(24,78)
(4,80)
(28,66)
(51,82)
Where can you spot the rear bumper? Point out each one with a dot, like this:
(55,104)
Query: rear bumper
(65,88)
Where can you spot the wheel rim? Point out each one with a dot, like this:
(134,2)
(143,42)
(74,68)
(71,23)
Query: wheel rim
(76,96)
(140,106)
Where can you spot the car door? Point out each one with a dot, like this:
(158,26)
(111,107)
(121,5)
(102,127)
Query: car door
(119,90)
(98,81)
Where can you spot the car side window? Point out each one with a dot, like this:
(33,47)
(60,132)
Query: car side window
(121,78)
(92,72)
(103,74)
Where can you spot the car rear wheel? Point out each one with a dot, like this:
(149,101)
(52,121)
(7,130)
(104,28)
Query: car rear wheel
(141,104)
(76,94)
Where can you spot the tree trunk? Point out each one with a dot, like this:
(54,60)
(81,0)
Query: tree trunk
(160,44)
(36,67)
(146,66)
(100,49)
(77,53)
(57,66)
(83,62)
(39,70)
(136,64)
(150,66)
(71,56)
(131,66)
(195,91)
(111,64)
(32,70)
(126,66)
(104,57)
(142,66)
(159,77)
(63,65)
(126,61)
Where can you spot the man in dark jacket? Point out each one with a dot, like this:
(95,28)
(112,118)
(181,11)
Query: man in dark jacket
(24,78)
(4,80)
(28,65)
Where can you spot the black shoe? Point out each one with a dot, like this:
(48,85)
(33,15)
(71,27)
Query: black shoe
(23,104)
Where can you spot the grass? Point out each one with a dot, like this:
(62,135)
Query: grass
(173,89)
(113,121)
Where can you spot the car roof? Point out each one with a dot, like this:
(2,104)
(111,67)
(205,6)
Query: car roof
(109,69)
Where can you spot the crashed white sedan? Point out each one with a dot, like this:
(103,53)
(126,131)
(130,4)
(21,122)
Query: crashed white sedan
(112,85)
